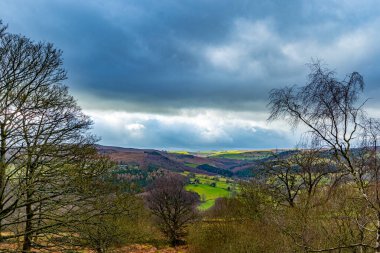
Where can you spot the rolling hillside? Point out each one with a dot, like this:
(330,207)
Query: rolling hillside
(225,163)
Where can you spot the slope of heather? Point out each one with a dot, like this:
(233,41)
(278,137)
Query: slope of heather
(226,163)
(145,158)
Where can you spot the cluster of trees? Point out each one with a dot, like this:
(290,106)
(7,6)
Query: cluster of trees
(323,198)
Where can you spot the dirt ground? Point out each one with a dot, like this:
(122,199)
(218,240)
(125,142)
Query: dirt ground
(150,249)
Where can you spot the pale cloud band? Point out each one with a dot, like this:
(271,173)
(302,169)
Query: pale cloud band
(193,130)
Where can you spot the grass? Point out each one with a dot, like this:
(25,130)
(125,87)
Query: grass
(192,165)
(207,192)
(242,154)
(179,152)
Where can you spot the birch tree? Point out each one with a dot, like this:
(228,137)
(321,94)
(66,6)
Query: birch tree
(333,112)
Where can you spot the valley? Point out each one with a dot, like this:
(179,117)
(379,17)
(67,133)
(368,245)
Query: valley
(211,174)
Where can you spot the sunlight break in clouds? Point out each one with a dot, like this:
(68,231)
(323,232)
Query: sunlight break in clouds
(193,130)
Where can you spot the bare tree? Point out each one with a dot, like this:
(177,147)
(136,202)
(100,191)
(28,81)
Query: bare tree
(25,67)
(334,114)
(172,206)
(298,173)
(48,161)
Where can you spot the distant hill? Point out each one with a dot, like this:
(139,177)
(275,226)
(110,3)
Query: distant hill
(238,163)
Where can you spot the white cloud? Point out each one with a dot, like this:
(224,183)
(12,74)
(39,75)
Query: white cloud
(136,127)
(135,130)
(243,52)
(348,50)
(227,57)
(257,50)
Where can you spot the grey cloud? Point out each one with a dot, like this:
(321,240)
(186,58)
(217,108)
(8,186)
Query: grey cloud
(156,56)
(145,54)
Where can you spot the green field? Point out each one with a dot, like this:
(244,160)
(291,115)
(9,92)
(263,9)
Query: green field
(210,193)
(242,154)
(192,165)
(230,154)
(179,152)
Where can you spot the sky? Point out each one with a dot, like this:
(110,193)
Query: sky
(195,74)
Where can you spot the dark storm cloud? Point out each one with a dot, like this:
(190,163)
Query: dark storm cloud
(168,59)
(159,54)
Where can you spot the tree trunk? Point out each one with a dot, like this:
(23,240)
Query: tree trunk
(378,233)
(27,245)
(2,174)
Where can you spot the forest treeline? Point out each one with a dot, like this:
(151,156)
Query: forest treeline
(57,194)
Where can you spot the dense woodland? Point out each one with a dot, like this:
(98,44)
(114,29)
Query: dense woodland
(58,194)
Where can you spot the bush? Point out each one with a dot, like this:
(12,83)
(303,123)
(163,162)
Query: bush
(234,237)
(229,228)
